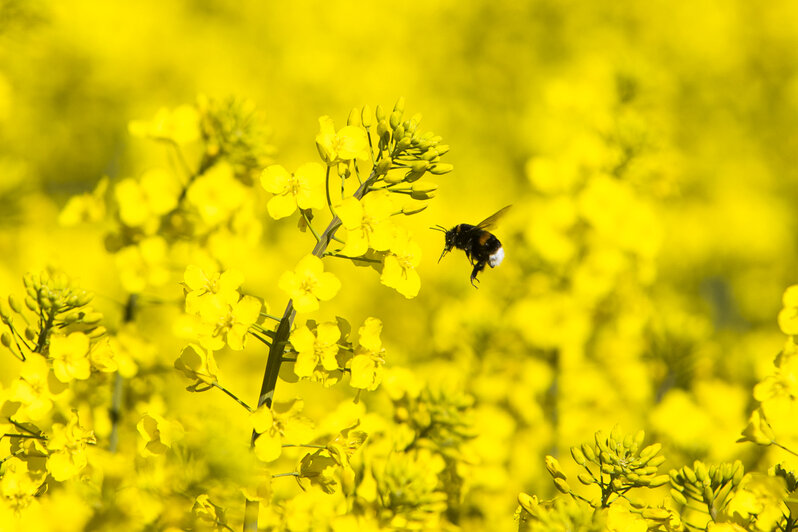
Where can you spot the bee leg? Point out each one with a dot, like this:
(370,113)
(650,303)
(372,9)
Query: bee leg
(478,267)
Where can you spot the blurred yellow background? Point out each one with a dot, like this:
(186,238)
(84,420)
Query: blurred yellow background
(648,150)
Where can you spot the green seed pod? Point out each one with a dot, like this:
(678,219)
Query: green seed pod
(585,479)
(440,169)
(365,117)
(678,496)
(578,456)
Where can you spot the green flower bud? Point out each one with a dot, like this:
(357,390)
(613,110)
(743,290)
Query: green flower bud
(413,176)
(399,132)
(394,177)
(658,481)
(553,466)
(424,186)
(738,472)
(440,169)
(709,495)
(380,114)
(585,479)
(395,120)
(689,474)
(442,149)
(421,195)
(31,304)
(5,339)
(413,210)
(607,468)
(354,117)
(656,514)
(562,486)
(723,492)
(92,318)
(399,107)
(578,456)
(96,332)
(678,496)
(383,131)
(588,451)
(365,117)
(71,317)
(403,144)
(528,503)
(4,314)
(30,333)
(430,154)
(701,472)
(13,302)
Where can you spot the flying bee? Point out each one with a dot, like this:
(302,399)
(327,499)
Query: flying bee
(480,246)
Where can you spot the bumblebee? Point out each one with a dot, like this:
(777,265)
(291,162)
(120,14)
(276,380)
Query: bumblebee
(480,246)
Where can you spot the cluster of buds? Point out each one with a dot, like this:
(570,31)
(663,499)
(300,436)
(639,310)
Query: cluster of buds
(707,485)
(404,153)
(57,306)
(615,463)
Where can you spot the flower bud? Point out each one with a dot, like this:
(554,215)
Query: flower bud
(5,339)
(678,496)
(380,114)
(413,210)
(562,486)
(354,117)
(396,118)
(365,116)
(441,168)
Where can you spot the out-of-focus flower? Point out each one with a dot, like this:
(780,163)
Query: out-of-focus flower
(158,434)
(217,194)
(308,283)
(143,265)
(142,202)
(180,125)
(88,207)
(304,189)
(66,446)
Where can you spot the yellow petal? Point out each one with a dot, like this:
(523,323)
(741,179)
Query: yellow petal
(275,179)
(327,287)
(281,206)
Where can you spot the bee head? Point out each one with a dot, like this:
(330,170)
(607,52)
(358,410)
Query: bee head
(449,239)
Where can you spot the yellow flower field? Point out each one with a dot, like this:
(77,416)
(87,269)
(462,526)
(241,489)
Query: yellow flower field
(225,301)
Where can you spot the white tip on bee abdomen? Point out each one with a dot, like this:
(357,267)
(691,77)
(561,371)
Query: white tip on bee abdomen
(497,257)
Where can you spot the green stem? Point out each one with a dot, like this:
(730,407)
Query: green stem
(307,222)
(232,395)
(275,358)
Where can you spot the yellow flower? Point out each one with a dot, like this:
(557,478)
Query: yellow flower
(158,433)
(67,449)
(197,364)
(350,142)
(309,283)
(70,356)
(142,202)
(181,125)
(303,189)
(217,194)
(366,365)
(88,207)
(313,350)
(268,445)
(399,267)
(367,223)
(143,265)
(18,486)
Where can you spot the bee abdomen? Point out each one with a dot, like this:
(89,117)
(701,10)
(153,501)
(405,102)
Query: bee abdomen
(496,257)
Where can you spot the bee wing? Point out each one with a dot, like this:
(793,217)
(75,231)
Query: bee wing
(490,221)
